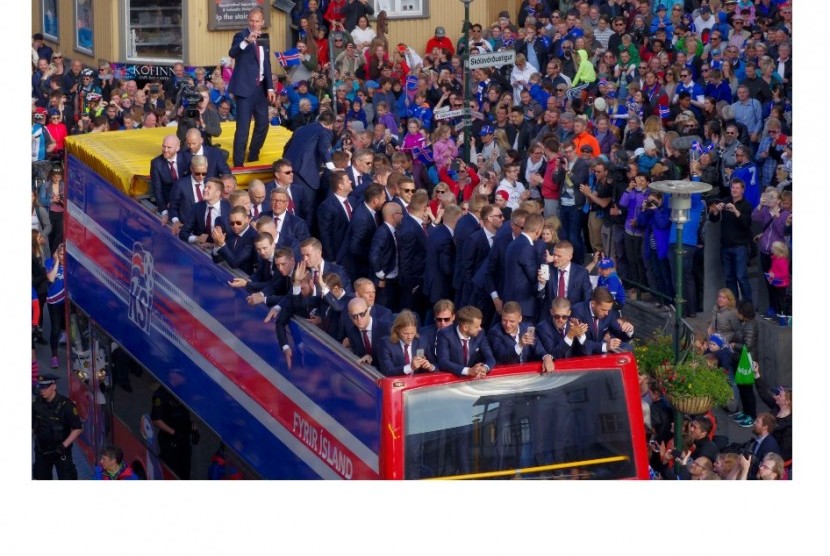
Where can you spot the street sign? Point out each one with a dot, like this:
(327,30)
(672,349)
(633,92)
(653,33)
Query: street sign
(492,59)
(447,114)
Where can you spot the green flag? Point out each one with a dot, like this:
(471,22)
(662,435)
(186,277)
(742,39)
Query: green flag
(744,374)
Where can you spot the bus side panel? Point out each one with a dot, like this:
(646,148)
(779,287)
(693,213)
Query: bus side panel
(172,310)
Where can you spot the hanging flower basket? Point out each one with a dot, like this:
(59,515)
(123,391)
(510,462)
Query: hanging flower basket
(691,385)
(692,405)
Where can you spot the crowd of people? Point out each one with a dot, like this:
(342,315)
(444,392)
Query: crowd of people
(381,230)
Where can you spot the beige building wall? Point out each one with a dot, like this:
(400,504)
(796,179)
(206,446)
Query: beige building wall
(204,47)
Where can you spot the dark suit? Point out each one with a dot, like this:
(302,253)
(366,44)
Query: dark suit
(504,346)
(466,226)
(391,356)
(490,276)
(439,265)
(378,312)
(333,319)
(520,283)
(429,337)
(239,251)
(578,286)
(161,180)
(594,336)
(299,306)
(182,200)
(216,162)
(300,196)
(451,354)
(769,445)
(293,232)
(308,149)
(380,329)
(383,258)
(250,94)
(476,249)
(412,249)
(354,252)
(195,225)
(268,280)
(333,222)
(552,340)
(360,182)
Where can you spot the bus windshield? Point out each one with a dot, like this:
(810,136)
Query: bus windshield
(557,425)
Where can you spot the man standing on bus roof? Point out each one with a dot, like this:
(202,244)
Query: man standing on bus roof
(56,425)
(252,87)
(186,192)
(217,166)
(165,169)
(463,349)
(366,334)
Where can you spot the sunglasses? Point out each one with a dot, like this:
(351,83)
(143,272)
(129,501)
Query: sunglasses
(236,223)
(408,190)
(443,319)
(57,57)
(288,172)
(199,173)
(355,316)
(561,317)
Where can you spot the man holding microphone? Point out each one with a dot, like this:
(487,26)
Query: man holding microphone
(251,86)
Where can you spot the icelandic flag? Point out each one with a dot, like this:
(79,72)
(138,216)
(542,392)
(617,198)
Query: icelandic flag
(288,58)
(664,111)
(423,154)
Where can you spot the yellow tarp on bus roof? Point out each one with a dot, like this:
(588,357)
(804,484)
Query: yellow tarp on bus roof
(123,157)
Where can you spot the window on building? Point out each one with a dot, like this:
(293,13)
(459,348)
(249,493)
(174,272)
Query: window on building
(401,9)
(51,28)
(83,26)
(154,30)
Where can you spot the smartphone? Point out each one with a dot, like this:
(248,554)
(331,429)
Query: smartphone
(419,352)
(531,330)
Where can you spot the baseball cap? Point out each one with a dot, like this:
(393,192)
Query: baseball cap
(54,112)
(87,73)
(605,263)
(661,8)
(586,149)
(372,84)
(302,83)
(503,194)
(440,32)
(705,10)
(44,381)
(486,130)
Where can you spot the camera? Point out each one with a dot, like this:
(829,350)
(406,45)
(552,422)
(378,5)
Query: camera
(154,89)
(651,204)
(675,453)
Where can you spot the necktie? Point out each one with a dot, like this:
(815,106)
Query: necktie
(348,207)
(561,292)
(277,223)
(465,351)
(256,211)
(173,173)
(199,192)
(596,328)
(406,360)
(290,204)
(756,447)
(208,219)
(424,226)
(378,219)
(367,344)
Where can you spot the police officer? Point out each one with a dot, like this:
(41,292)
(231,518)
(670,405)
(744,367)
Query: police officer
(56,425)
(175,431)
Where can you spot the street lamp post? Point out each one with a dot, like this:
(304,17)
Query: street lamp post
(466,62)
(681,192)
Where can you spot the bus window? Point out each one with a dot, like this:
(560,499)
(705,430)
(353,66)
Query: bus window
(568,425)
